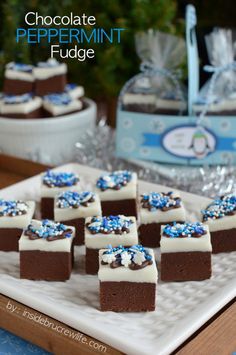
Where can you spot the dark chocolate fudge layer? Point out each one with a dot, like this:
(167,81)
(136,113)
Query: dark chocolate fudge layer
(185,266)
(221,113)
(120,207)
(150,234)
(223,241)
(127,296)
(17,87)
(41,265)
(38,113)
(92,261)
(51,85)
(47,208)
(79,224)
(9,238)
(152,110)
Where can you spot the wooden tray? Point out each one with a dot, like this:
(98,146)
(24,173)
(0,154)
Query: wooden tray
(14,169)
(216,337)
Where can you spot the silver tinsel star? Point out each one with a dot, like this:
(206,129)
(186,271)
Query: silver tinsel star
(97,149)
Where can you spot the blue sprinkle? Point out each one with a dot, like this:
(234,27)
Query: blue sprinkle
(220,207)
(184,230)
(115,180)
(58,99)
(154,201)
(50,63)
(20,67)
(132,251)
(70,86)
(59,179)
(111,224)
(12,208)
(17,99)
(73,199)
(49,229)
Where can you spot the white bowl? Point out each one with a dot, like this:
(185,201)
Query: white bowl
(47,140)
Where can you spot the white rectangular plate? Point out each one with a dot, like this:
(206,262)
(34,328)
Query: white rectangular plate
(182,307)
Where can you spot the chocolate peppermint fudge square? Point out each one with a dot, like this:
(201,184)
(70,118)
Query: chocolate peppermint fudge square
(18,79)
(128,278)
(103,231)
(150,103)
(52,184)
(170,104)
(50,77)
(72,207)
(220,216)
(118,193)
(60,104)
(46,251)
(185,252)
(21,106)
(75,91)
(157,208)
(140,97)
(15,215)
(217,106)
(140,102)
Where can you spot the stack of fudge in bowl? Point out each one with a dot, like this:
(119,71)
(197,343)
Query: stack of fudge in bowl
(39,91)
(119,230)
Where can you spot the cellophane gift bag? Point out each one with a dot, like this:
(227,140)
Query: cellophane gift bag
(218,96)
(157,89)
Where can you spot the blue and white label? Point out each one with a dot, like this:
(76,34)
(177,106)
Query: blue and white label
(189,142)
(175,139)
